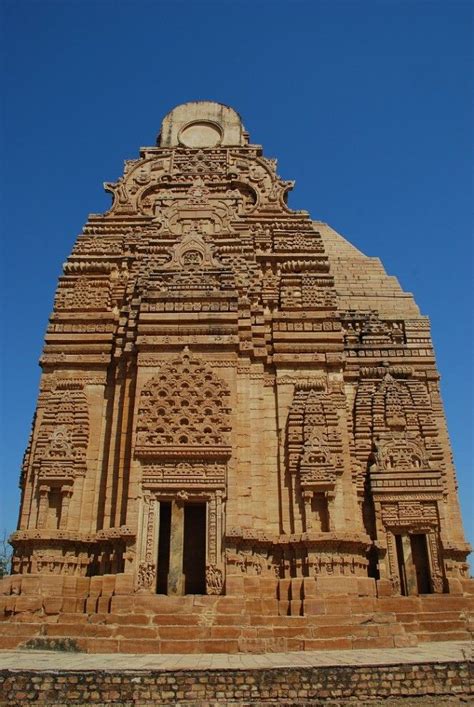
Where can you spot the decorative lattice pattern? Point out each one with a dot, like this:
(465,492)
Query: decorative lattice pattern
(184,405)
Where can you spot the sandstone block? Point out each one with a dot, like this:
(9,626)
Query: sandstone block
(91,604)
(366,586)
(108,584)
(28,603)
(103,604)
(51,585)
(337,585)
(122,604)
(52,605)
(31,584)
(95,589)
(5,585)
(124,584)
(70,586)
(72,604)
(234,585)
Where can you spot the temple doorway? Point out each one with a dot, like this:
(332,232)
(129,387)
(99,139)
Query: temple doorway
(413,564)
(421,561)
(182,548)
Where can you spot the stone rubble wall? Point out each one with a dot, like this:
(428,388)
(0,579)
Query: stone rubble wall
(438,683)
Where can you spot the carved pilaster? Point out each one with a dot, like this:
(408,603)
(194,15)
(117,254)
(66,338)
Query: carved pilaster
(308,512)
(66,493)
(212,530)
(437,581)
(147,567)
(389,569)
(43,505)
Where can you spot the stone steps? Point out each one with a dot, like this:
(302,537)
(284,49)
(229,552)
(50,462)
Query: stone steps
(435,618)
(287,617)
(110,638)
(442,635)
(212,624)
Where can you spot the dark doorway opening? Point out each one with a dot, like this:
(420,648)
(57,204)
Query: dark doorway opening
(320,510)
(401,566)
(164,548)
(414,564)
(55,507)
(419,550)
(194,551)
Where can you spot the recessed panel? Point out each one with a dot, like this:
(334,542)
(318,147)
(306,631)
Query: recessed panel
(200,134)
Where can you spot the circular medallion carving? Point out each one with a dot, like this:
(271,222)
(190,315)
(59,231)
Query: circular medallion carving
(200,133)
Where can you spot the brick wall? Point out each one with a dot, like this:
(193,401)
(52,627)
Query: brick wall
(438,683)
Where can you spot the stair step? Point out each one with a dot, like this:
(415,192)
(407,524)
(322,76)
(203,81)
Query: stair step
(441,625)
(23,630)
(427,637)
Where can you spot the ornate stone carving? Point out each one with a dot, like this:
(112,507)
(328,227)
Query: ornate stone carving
(368,329)
(191,253)
(192,473)
(395,417)
(314,449)
(146,575)
(184,411)
(207,162)
(61,445)
(214,580)
(411,513)
(401,453)
(83,293)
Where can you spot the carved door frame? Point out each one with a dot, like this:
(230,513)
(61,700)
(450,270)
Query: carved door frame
(431,534)
(147,557)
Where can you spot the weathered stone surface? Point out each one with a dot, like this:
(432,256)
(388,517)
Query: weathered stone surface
(235,402)
(375,679)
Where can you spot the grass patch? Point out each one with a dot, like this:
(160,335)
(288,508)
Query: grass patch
(66,645)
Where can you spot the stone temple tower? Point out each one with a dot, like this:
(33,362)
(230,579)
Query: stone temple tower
(239,411)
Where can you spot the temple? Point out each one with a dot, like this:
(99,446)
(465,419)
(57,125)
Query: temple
(239,416)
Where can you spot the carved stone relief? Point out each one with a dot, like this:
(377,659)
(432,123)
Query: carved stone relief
(184,411)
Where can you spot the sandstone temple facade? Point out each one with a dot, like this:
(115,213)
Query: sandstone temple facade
(237,409)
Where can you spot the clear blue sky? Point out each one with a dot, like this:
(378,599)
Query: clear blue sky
(368,105)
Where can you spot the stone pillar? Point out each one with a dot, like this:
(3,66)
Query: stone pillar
(43,506)
(308,514)
(330,499)
(114,561)
(66,493)
(410,570)
(148,549)
(103,559)
(211,530)
(435,565)
(175,574)
(219,499)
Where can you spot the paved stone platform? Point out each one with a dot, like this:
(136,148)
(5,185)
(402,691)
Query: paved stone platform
(433,674)
(439,652)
